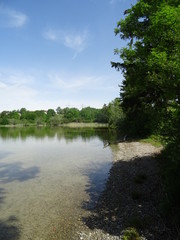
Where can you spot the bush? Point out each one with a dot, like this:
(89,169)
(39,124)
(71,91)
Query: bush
(131,234)
(170,168)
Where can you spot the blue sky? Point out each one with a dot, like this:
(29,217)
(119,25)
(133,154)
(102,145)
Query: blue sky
(57,53)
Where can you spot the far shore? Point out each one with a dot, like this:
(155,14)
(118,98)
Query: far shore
(71,125)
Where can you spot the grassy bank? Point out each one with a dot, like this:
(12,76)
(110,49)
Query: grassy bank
(85,125)
(72,125)
(155,140)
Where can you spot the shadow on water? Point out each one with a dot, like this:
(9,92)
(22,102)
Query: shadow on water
(97,177)
(9,230)
(10,172)
(4,154)
(117,208)
(2,195)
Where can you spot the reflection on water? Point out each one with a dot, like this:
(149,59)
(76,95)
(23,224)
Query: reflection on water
(61,133)
(49,177)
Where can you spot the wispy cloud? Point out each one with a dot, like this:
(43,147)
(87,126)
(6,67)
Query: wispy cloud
(43,90)
(12,19)
(75,41)
(68,82)
(76,84)
(50,35)
(112,1)
(16,89)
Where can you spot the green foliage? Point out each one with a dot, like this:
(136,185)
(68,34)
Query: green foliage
(150,91)
(88,114)
(116,115)
(155,140)
(50,113)
(71,115)
(150,63)
(4,121)
(103,115)
(138,222)
(111,114)
(61,116)
(131,234)
(170,167)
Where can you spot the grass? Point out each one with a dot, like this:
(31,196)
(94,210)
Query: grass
(138,222)
(84,125)
(131,234)
(155,140)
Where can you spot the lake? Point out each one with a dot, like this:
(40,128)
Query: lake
(50,178)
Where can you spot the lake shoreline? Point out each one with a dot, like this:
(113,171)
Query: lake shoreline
(131,197)
(70,125)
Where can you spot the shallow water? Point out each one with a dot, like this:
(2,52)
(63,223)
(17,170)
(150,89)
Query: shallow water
(49,178)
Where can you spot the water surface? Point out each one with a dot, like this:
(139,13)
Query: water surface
(49,178)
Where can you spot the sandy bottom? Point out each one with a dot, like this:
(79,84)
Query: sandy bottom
(46,187)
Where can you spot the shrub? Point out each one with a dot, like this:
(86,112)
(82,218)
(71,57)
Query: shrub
(131,234)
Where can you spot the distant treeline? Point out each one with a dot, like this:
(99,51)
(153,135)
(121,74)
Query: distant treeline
(110,114)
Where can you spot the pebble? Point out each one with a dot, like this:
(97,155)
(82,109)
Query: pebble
(116,209)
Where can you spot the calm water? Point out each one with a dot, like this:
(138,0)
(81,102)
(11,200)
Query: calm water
(49,179)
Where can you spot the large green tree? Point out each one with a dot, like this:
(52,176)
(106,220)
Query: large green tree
(150,92)
(150,63)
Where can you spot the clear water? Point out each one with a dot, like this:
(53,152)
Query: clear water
(49,178)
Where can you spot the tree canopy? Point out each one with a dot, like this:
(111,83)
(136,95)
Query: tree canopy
(150,91)
(150,62)
(110,114)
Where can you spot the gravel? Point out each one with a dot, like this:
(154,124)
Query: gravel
(130,199)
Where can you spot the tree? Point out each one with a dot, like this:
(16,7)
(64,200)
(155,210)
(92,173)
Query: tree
(40,117)
(150,92)
(150,62)
(88,114)
(4,118)
(59,110)
(116,115)
(103,115)
(71,115)
(50,113)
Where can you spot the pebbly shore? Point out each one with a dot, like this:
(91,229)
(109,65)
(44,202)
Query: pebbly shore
(131,198)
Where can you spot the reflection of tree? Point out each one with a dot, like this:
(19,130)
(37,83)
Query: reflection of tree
(66,133)
(9,230)
(10,172)
(2,195)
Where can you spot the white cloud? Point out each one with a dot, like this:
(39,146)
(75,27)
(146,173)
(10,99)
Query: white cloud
(112,1)
(17,19)
(2,85)
(50,35)
(11,18)
(116,1)
(79,85)
(75,41)
(43,90)
(15,90)
(68,82)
